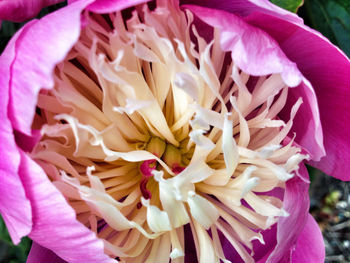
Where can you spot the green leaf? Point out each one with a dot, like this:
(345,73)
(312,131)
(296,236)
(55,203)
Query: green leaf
(331,18)
(290,5)
(10,252)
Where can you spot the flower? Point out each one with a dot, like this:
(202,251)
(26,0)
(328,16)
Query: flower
(149,132)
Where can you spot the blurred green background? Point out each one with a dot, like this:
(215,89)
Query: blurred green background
(330,199)
(10,253)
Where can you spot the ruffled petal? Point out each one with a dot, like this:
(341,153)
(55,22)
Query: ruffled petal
(296,203)
(39,254)
(21,10)
(254,51)
(55,226)
(310,246)
(328,70)
(14,208)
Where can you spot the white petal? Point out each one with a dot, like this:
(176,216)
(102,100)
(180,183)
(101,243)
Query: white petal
(94,180)
(175,209)
(202,210)
(133,105)
(158,221)
(267,151)
(229,147)
(293,162)
(187,83)
(199,139)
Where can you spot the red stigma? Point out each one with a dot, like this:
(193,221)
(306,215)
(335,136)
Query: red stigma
(146,169)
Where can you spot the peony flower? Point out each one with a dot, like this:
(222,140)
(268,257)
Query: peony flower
(150,132)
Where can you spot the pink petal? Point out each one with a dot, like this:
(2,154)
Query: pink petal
(25,142)
(246,7)
(53,36)
(39,254)
(328,70)
(310,246)
(296,203)
(14,206)
(55,226)
(254,51)
(107,6)
(21,10)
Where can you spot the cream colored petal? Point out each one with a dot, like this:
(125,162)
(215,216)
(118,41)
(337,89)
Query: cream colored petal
(203,211)
(199,139)
(188,84)
(158,221)
(229,147)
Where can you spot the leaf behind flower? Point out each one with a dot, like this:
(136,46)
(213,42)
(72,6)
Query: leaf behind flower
(331,18)
(290,5)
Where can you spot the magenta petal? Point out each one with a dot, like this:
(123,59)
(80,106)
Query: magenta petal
(53,35)
(310,246)
(246,7)
(328,70)
(39,254)
(21,10)
(296,203)
(55,226)
(106,6)
(14,205)
(254,51)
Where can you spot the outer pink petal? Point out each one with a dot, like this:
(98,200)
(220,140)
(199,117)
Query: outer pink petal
(21,10)
(39,254)
(254,51)
(246,7)
(328,70)
(296,203)
(54,222)
(14,205)
(310,247)
(106,6)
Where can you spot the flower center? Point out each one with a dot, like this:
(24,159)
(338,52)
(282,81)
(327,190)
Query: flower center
(170,154)
(149,129)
